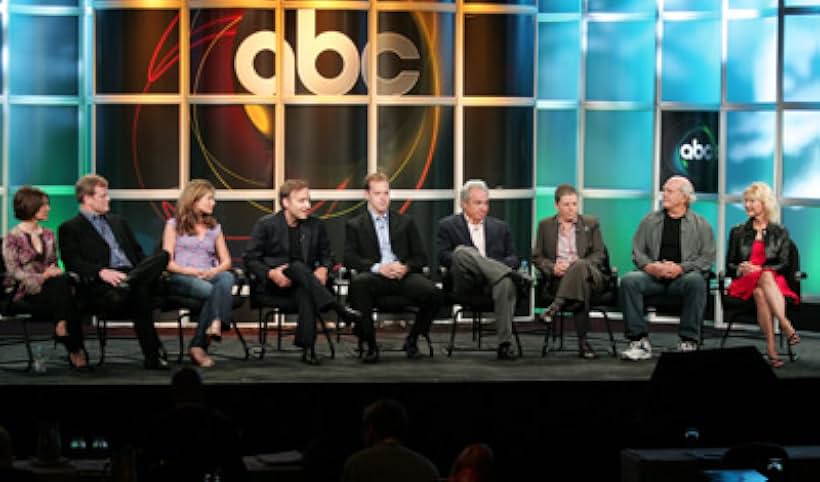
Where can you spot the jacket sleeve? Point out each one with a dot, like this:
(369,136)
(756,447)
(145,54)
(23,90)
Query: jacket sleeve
(703,261)
(255,251)
(71,253)
(444,244)
(353,258)
(510,258)
(640,256)
(596,255)
(418,254)
(539,257)
(782,260)
(324,250)
(733,255)
(13,252)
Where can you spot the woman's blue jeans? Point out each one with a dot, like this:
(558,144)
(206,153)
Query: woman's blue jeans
(216,295)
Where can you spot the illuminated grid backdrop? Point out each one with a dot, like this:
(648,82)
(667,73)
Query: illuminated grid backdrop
(524,95)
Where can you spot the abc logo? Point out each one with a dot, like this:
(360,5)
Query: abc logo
(695,151)
(310,46)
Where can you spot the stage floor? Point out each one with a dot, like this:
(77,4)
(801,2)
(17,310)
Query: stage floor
(123,364)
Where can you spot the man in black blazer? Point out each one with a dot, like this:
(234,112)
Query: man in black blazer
(289,252)
(101,249)
(569,251)
(386,250)
(478,251)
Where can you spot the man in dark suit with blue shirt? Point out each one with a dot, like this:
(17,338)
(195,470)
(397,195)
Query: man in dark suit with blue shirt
(478,251)
(385,248)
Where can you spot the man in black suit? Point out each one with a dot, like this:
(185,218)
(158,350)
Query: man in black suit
(478,250)
(102,250)
(289,252)
(385,247)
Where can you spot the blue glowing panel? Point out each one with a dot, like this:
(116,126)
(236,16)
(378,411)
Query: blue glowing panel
(752,4)
(632,6)
(619,219)
(801,58)
(735,214)
(752,61)
(544,204)
(618,150)
(691,6)
(44,54)
(556,147)
(559,6)
(801,154)
(559,57)
(802,3)
(43,144)
(621,61)
(691,64)
(802,224)
(749,149)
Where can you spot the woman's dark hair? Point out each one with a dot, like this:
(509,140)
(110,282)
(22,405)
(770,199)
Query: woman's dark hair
(28,201)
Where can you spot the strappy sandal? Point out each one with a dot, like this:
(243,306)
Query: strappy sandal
(794,338)
(776,362)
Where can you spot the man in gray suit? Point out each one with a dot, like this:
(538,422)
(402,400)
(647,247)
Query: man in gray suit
(478,250)
(569,251)
(673,250)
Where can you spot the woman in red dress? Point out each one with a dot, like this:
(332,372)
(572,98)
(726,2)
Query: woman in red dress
(757,260)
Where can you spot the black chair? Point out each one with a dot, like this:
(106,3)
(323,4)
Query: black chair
(190,308)
(666,304)
(603,302)
(275,307)
(737,311)
(475,304)
(395,304)
(105,316)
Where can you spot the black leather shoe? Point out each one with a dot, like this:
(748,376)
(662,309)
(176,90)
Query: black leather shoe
(506,352)
(156,362)
(309,357)
(411,347)
(372,355)
(585,350)
(349,315)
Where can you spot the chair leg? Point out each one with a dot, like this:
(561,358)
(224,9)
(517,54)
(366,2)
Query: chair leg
(180,317)
(477,326)
(327,335)
(609,332)
(726,333)
(517,340)
(102,333)
(27,342)
(241,340)
(452,343)
(561,322)
(429,344)
(545,345)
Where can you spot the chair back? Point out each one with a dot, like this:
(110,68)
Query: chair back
(793,268)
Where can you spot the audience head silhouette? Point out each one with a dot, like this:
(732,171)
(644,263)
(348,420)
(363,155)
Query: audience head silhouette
(187,386)
(384,419)
(474,464)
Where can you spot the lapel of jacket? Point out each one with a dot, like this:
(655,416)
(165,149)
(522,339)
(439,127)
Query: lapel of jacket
(91,232)
(305,235)
(393,224)
(464,230)
(370,236)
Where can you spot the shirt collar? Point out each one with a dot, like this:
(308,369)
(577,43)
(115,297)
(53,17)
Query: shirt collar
(376,217)
(470,223)
(93,217)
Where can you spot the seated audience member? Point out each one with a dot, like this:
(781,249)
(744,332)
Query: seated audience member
(7,471)
(478,251)
(569,251)
(199,264)
(475,463)
(30,254)
(101,248)
(673,250)
(757,259)
(386,248)
(193,441)
(384,426)
(289,252)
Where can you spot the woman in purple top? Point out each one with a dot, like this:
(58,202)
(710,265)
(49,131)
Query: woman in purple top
(199,264)
(30,255)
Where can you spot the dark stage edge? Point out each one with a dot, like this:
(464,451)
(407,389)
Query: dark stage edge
(552,418)
(123,364)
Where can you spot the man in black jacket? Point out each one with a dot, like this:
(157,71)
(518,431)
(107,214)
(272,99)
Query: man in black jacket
(103,251)
(478,251)
(386,250)
(289,253)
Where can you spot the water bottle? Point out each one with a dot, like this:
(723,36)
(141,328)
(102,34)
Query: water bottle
(524,267)
(40,357)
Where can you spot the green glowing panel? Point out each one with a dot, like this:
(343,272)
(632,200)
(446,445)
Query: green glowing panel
(43,145)
(619,219)
(709,210)
(802,224)
(618,149)
(556,150)
(544,204)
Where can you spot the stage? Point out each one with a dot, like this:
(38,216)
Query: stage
(559,415)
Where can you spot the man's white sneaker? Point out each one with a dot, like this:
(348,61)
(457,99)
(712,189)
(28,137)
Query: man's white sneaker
(638,350)
(686,346)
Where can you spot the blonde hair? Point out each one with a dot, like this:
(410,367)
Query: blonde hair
(760,191)
(187,217)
